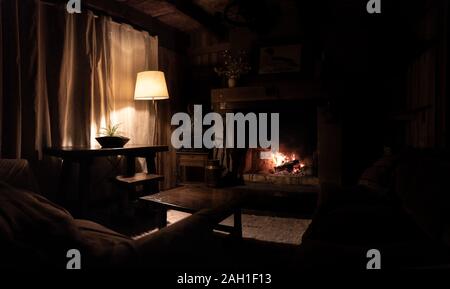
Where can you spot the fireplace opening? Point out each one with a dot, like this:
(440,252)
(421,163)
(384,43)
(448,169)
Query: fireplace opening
(296,162)
(284,163)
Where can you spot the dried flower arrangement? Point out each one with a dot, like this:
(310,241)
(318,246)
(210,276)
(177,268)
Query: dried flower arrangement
(233,66)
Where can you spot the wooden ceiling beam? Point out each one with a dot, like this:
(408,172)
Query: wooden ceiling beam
(209,21)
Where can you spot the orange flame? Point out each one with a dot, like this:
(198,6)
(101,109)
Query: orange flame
(279,159)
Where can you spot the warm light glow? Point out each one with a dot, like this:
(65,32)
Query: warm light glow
(151,85)
(278,159)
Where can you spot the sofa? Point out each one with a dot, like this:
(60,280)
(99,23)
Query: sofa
(401,207)
(36,233)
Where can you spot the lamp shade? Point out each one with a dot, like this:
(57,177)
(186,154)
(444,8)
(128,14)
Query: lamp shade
(151,85)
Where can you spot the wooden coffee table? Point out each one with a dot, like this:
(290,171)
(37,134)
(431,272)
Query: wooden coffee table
(193,198)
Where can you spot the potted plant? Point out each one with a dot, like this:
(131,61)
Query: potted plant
(233,67)
(111,138)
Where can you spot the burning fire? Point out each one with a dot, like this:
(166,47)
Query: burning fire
(283,163)
(278,159)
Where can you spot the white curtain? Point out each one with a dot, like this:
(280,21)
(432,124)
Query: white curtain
(98,77)
(74,92)
(129,52)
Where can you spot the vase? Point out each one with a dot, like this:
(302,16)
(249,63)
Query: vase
(112,141)
(213,172)
(231,82)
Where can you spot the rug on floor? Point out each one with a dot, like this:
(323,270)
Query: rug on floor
(264,228)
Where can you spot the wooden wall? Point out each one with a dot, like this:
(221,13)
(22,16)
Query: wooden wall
(426,97)
(205,48)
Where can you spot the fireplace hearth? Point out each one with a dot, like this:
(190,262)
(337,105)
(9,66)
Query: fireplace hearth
(281,179)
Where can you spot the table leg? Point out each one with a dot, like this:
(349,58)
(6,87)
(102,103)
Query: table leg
(151,169)
(84,187)
(151,163)
(64,180)
(238,223)
(177,170)
(131,166)
(183,174)
(205,164)
(162,218)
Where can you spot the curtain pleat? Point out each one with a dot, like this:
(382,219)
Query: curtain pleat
(18,78)
(44,135)
(75,81)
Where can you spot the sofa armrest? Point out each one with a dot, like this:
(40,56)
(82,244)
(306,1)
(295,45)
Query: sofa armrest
(188,242)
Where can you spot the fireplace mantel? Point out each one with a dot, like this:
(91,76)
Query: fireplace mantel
(246,97)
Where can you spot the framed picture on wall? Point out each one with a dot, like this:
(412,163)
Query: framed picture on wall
(280,59)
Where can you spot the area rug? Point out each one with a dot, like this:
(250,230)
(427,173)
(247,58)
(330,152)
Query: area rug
(264,228)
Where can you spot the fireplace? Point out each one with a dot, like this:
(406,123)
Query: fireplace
(296,162)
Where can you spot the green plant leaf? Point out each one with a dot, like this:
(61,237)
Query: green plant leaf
(110,130)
